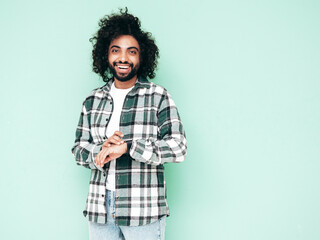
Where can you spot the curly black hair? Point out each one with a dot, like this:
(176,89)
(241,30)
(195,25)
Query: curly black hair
(114,25)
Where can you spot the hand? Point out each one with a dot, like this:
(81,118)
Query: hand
(110,153)
(114,139)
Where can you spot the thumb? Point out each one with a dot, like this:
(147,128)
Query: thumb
(107,159)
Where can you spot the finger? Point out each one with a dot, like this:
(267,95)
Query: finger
(97,161)
(103,147)
(118,133)
(105,144)
(116,140)
(110,143)
(115,137)
(104,156)
(107,159)
(99,157)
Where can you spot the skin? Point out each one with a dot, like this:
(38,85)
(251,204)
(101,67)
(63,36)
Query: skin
(124,51)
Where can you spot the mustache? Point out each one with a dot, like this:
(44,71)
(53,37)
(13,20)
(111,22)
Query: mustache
(115,63)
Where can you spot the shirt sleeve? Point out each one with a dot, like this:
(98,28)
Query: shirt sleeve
(171,144)
(84,150)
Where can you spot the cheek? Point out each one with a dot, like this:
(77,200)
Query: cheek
(110,59)
(136,60)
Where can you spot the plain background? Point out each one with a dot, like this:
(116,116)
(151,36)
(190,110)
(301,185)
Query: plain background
(245,77)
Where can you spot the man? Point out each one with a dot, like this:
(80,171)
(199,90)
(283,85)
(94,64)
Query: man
(127,130)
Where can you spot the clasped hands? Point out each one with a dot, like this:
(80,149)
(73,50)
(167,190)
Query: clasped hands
(114,147)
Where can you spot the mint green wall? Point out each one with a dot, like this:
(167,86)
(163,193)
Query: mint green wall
(245,77)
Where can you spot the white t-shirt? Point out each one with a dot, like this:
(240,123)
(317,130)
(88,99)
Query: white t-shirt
(118,96)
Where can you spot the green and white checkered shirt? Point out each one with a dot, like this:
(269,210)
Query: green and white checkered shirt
(154,133)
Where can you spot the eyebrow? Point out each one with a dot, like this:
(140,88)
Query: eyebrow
(116,46)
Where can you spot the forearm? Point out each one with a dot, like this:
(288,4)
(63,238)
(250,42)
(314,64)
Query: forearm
(86,153)
(155,152)
(84,149)
(170,145)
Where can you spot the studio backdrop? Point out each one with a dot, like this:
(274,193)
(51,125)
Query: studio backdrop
(245,77)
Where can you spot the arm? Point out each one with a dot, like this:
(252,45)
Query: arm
(84,150)
(171,144)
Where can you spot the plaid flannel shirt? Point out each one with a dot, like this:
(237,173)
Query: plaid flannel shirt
(154,133)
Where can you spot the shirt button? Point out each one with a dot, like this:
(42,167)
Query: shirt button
(104,174)
(102,195)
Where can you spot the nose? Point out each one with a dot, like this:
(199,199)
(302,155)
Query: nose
(123,57)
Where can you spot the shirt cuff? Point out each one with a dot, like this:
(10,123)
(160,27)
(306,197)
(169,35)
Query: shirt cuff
(129,143)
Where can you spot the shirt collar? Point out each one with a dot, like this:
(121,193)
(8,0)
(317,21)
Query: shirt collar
(140,83)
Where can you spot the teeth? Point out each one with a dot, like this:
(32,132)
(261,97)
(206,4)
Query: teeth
(123,67)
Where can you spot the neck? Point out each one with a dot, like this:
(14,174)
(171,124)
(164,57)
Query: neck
(125,85)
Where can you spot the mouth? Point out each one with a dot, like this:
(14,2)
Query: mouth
(123,68)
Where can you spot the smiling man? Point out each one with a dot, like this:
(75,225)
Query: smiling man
(128,129)
(121,49)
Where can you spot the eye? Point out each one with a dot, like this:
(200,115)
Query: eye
(133,52)
(114,50)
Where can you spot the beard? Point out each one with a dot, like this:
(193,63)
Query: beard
(124,77)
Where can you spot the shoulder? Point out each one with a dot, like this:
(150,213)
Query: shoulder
(96,94)
(157,89)
(161,96)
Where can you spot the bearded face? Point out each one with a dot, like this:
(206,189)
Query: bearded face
(124,57)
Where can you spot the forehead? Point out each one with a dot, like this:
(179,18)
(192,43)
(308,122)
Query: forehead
(124,41)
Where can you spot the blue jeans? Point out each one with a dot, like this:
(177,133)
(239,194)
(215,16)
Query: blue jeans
(110,231)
